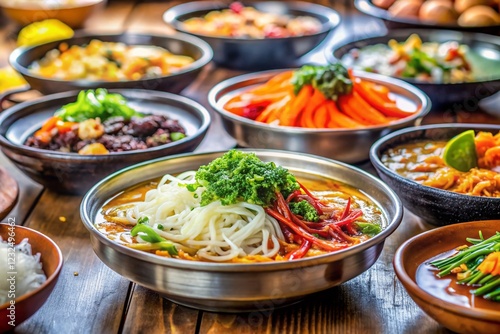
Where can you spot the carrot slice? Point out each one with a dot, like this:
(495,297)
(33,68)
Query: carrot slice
(298,104)
(321,117)
(340,119)
(371,114)
(347,109)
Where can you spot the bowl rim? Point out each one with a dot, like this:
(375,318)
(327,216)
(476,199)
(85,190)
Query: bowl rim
(205,49)
(375,153)
(37,152)
(332,17)
(213,100)
(406,280)
(26,6)
(235,267)
(350,43)
(367,7)
(51,278)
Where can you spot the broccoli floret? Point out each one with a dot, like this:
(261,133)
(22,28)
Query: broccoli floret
(239,176)
(304,209)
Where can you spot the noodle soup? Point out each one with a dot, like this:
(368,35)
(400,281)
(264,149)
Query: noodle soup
(240,232)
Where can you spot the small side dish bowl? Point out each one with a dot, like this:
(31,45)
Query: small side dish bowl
(436,206)
(73,13)
(423,247)
(52,260)
(74,173)
(258,54)
(180,44)
(240,287)
(347,145)
(484,53)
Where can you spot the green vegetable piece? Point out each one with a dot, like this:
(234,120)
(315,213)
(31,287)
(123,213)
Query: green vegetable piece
(305,209)
(332,80)
(369,228)
(460,152)
(94,104)
(237,176)
(143,220)
(175,136)
(148,234)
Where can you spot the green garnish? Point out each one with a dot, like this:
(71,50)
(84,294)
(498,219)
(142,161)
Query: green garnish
(175,136)
(369,228)
(237,176)
(305,209)
(94,104)
(148,234)
(460,152)
(332,80)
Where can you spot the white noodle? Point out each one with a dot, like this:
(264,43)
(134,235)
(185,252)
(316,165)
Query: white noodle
(215,232)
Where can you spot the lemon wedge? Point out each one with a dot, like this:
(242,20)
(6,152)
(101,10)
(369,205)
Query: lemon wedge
(10,79)
(44,32)
(460,152)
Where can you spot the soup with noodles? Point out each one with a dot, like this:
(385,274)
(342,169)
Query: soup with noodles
(183,216)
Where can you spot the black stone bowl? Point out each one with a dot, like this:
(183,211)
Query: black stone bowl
(180,44)
(258,54)
(436,206)
(75,174)
(458,96)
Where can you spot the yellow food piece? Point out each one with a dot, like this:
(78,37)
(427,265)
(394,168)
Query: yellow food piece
(95,148)
(10,79)
(43,32)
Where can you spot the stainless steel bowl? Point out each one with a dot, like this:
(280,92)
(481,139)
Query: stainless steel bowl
(258,54)
(22,58)
(341,144)
(239,287)
(74,173)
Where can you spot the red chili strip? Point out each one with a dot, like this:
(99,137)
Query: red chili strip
(346,210)
(315,203)
(302,251)
(293,195)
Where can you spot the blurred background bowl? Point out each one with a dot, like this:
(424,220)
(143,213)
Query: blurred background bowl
(258,54)
(180,44)
(436,206)
(418,250)
(405,22)
(347,145)
(52,261)
(73,13)
(74,173)
(240,287)
(486,47)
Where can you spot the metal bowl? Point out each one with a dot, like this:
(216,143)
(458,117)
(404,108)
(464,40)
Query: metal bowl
(181,44)
(460,95)
(418,250)
(240,287)
(346,145)
(74,173)
(391,22)
(258,54)
(436,206)
(52,261)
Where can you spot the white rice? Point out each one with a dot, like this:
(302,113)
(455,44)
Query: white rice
(27,270)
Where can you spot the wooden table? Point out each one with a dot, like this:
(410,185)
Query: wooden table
(90,298)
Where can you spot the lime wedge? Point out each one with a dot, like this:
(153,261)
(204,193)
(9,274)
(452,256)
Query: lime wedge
(460,152)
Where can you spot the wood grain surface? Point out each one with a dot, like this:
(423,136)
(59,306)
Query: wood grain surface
(9,190)
(90,298)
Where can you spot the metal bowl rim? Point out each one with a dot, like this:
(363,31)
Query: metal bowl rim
(400,270)
(256,267)
(375,153)
(38,152)
(204,47)
(265,75)
(332,16)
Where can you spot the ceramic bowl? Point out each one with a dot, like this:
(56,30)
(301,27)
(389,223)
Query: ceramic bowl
(436,206)
(73,13)
(418,250)
(52,260)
